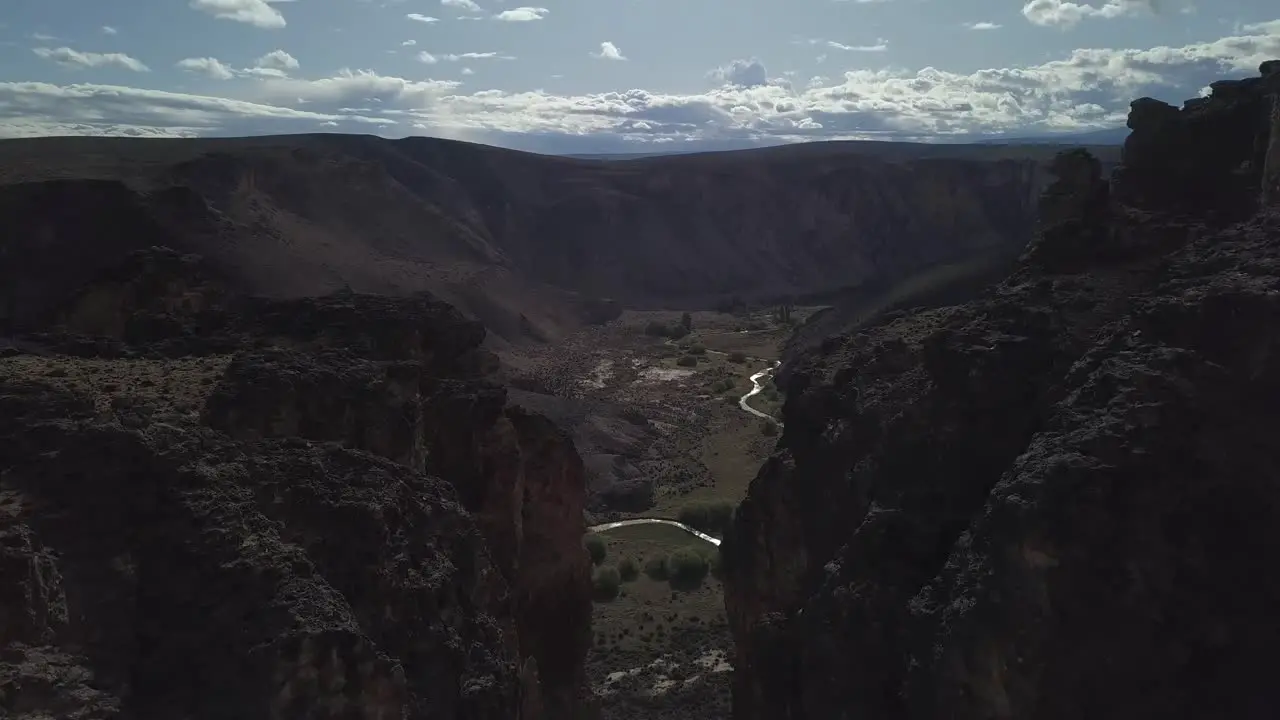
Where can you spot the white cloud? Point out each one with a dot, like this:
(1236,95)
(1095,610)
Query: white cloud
(983,26)
(1087,89)
(67,57)
(880,46)
(43,37)
(409,43)
(431,59)
(277,60)
(522,14)
(609,51)
(207,66)
(744,73)
(258,13)
(108,30)
(468,71)
(1069,14)
(468,5)
(419,17)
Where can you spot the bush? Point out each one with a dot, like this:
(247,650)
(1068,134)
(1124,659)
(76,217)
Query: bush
(709,517)
(687,361)
(655,329)
(768,429)
(686,569)
(722,385)
(697,350)
(595,548)
(656,568)
(675,332)
(605,583)
(628,570)
(737,356)
(715,563)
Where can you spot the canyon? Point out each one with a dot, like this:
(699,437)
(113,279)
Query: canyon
(316,425)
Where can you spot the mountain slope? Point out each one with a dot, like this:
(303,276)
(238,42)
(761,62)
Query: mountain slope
(526,243)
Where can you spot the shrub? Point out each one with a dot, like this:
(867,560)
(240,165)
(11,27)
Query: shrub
(709,517)
(686,568)
(675,332)
(768,429)
(737,356)
(697,350)
(715,563)
(656,568)
(605,583)
(595,548)
(687,361)
(656,329)
(628,570)
(722,385)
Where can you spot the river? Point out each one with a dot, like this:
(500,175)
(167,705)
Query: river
(756,388)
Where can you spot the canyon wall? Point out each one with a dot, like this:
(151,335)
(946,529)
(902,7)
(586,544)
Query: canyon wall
(531,245)
(225,506)
(1057,500)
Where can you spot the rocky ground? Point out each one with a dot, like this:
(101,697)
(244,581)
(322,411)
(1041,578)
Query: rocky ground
(1052,501)
(216,506)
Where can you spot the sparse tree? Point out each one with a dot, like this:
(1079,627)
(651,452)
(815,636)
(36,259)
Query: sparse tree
(687,321)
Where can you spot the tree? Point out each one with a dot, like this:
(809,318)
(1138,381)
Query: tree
(595,548)
(687,321)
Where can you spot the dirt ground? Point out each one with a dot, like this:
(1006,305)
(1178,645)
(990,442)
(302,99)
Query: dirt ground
(660,653)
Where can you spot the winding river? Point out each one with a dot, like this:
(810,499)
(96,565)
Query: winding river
(757,386)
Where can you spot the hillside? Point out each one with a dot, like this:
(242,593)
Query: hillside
(1056,500)
(529,244)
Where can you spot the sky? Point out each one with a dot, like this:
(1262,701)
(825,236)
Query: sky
(613,75)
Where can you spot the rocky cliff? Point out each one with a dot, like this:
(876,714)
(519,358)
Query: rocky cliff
(528,244)
(1057,500)
(223,506)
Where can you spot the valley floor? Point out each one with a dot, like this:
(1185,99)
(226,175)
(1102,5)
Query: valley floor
(658,424)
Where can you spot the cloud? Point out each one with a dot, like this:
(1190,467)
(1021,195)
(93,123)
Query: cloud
(522,14)
(744,73)
(211,67)
(983,26)
(1088,88)
(467,5)
(409,43)
(108,30)
(880,46)
(419,17)
(609,51)
(468,71)
(258,13)
(1069,14)
(277,60)
(69,58)
(431,59)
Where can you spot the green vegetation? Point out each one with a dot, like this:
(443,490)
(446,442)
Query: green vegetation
(737,357)
(696,350)
(687,361)
(656,568)
(595,548)
(722,385)
(686,321)
(628,569)
(686,569)
(606,583)
(709,517)
(657,328)
(768,429)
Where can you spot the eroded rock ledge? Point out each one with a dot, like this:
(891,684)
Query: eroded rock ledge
(1058,500)
(214,506)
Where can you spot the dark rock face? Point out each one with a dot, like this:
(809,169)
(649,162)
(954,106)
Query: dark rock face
(1205,160)
(283,548)
(1036,504)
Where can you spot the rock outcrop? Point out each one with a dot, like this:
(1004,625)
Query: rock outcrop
(1057,500)
(222,506)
